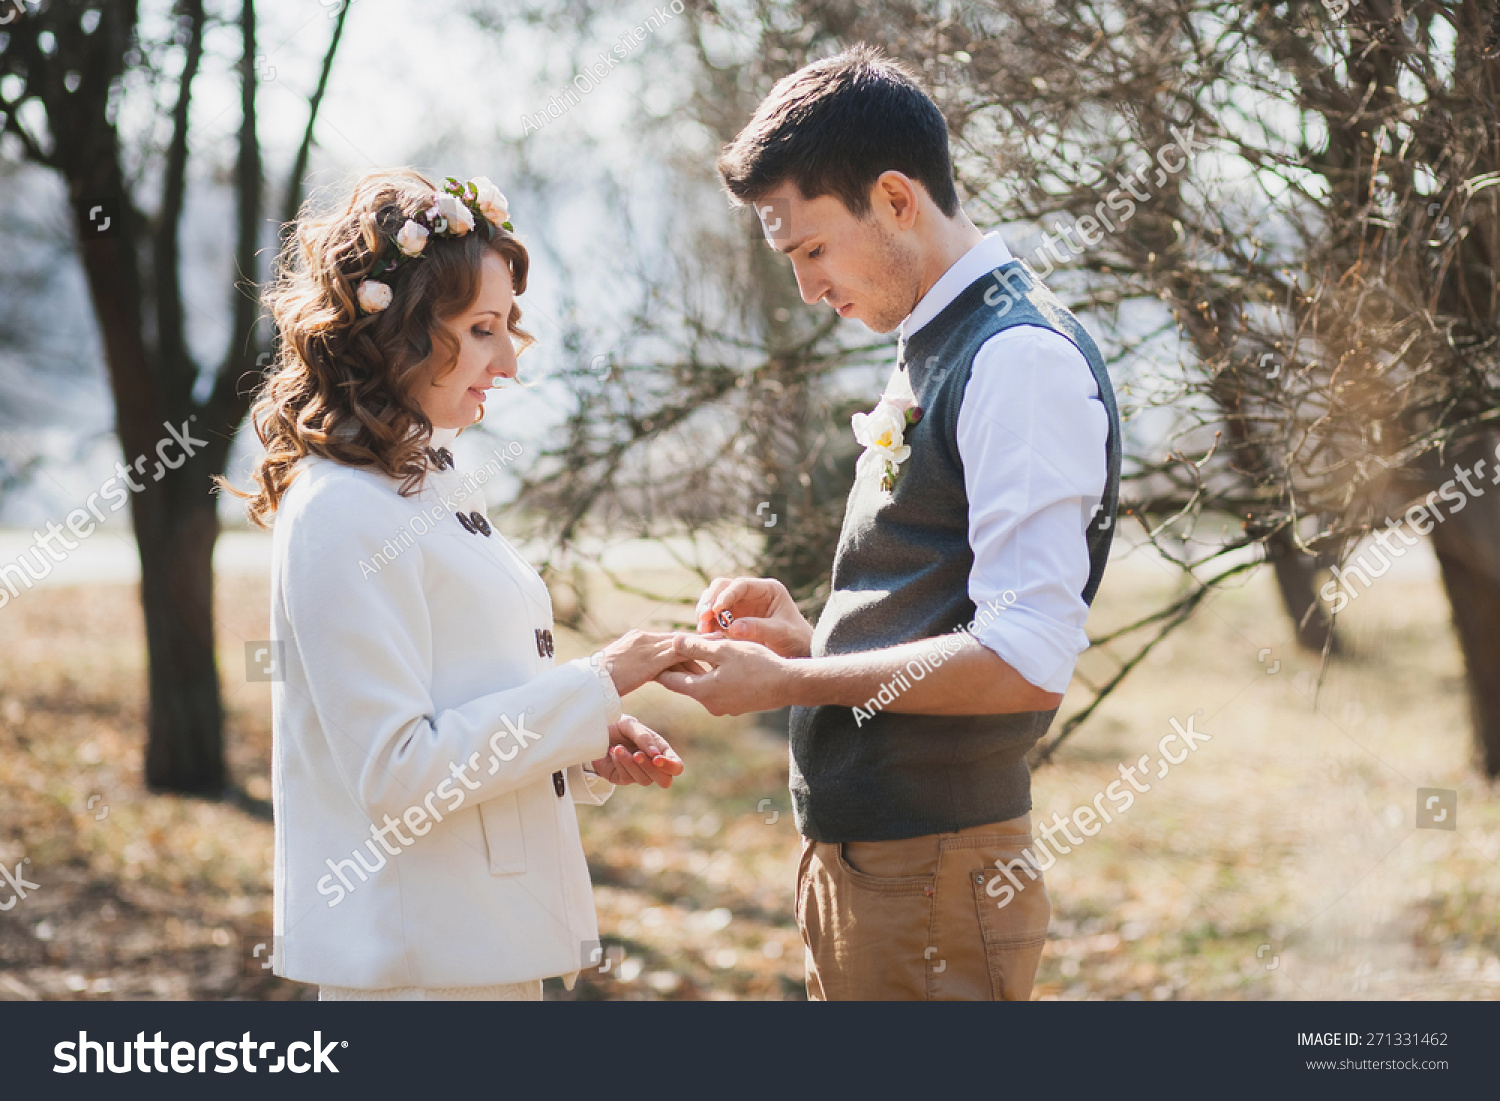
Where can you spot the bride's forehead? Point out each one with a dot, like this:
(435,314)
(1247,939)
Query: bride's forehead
(495,283)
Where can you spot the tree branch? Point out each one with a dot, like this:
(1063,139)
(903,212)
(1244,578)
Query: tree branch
(295,182)
(174,362)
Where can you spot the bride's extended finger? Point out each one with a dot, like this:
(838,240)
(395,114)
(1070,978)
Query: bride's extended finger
(637,773)
(617,773)
(649,775)
(671,766)
(644,738)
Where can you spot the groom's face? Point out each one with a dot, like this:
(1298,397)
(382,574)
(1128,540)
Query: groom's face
(864,268)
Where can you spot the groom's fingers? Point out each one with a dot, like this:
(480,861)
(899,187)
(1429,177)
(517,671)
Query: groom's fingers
(698,649)
(706,603)
(724,599)
(684,684)
(733,592)
(767,632)
(746,596)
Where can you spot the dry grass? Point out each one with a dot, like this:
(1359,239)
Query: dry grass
(1293,828)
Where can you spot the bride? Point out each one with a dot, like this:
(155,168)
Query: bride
(427,751)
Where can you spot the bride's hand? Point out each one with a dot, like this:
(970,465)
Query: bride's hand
(638,755)
(638,657)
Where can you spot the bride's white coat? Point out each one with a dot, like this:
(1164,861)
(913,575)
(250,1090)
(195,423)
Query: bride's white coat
(420,839)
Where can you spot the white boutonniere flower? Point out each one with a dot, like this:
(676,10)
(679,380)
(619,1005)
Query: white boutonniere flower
(882,433)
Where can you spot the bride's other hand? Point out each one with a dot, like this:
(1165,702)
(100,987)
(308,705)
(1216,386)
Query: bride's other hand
(637,657)
(638,755)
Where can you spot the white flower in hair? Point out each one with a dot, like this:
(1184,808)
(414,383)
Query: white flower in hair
(373,296)
(413,238)
(455,214)
(491,201)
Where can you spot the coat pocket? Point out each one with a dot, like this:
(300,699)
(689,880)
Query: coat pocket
(503,835)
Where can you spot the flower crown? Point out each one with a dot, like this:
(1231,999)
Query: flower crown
(455,211)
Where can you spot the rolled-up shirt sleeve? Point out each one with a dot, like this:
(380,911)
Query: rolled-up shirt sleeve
(1031,434)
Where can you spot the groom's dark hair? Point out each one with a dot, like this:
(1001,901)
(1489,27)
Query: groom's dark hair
(834,126)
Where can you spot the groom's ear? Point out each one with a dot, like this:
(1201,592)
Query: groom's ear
(894,196)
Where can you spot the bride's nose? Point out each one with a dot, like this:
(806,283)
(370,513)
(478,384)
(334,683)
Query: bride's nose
(504,364)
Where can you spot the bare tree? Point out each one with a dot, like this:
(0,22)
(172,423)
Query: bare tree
(1294,201)
(65,70)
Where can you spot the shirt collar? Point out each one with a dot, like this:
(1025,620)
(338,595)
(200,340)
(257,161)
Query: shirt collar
(980,260)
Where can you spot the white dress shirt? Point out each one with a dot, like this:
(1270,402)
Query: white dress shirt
(422,840)
(1031,435)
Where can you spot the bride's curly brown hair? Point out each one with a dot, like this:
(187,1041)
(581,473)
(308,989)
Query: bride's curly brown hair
(342,381)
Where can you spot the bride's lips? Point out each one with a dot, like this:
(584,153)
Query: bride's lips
(477,392)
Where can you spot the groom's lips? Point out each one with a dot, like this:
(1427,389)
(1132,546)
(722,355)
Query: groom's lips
(843,311)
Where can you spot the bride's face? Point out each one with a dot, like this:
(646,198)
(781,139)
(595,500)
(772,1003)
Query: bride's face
(486,352)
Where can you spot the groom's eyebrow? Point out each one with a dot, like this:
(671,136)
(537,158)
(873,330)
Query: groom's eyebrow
(791,246)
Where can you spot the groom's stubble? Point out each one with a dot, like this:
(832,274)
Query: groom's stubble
(897,283)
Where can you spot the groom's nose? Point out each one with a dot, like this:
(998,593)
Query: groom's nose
(810,286)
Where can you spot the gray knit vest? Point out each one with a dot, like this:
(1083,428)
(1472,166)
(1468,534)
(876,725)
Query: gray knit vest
(901,573)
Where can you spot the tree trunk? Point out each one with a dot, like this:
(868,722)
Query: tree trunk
(1467,545)
(185,726)
(1296,578)
(175,522)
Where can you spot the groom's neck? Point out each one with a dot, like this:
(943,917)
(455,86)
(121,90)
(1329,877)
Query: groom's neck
(948,240)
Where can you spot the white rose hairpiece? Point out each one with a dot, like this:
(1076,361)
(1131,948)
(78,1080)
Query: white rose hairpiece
(457,210)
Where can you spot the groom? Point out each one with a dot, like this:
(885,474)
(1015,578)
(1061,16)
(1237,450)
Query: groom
(973,541)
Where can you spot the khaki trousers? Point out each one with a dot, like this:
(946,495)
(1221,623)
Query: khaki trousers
(923,919)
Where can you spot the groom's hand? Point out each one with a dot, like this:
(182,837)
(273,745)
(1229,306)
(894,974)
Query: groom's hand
(740,676)
(763,612)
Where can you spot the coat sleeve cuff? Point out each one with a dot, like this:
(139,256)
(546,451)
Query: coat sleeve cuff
(613,709)
(588,787)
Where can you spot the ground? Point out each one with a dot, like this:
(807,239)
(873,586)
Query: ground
(1281,858)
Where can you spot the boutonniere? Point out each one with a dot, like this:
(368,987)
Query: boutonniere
(882,433)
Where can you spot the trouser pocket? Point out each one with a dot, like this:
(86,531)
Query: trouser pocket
(865,934)
(1010,899)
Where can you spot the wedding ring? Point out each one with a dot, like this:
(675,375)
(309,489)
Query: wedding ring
(725,618)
